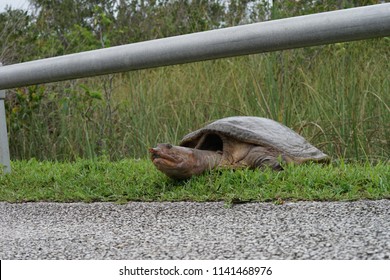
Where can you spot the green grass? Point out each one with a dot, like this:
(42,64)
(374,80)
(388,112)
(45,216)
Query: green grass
(138,180)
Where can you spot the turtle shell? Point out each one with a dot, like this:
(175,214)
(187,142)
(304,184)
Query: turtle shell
(253,130)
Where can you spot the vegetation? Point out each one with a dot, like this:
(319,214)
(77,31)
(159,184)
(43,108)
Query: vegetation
(337,96)
(137,180)
(341,105)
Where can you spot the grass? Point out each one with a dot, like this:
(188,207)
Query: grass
(336,96)
(137,180)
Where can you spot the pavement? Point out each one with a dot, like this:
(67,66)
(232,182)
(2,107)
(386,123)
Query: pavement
(187,230)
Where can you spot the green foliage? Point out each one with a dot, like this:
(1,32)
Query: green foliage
(17,36)
(288,8)
(341,106)
(336,95)
(67,26)
(138,180)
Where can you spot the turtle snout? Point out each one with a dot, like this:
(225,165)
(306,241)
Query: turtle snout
(160,151)
(154,152)
(164,146)
(164,154)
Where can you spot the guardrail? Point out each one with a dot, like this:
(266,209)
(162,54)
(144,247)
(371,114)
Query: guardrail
(310,30)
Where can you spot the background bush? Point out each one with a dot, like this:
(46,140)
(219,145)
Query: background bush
(337,96)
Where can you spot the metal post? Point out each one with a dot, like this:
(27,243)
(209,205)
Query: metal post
(5,163)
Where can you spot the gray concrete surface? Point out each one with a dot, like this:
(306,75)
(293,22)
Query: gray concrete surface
(184,230)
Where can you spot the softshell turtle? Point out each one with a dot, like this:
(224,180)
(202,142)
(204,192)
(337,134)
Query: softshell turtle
(234,142)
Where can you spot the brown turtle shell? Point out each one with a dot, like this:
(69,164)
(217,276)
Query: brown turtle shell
(253,130)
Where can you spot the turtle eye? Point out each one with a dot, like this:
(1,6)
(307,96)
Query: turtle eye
(169,146)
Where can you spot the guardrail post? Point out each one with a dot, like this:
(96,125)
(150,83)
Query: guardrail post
(5,163)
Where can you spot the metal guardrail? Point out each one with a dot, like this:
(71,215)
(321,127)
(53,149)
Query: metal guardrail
(310,30)
(316,29)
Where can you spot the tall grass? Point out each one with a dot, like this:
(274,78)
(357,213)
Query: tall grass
(337,96)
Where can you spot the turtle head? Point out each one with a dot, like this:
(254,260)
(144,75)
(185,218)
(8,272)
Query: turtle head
(175,161)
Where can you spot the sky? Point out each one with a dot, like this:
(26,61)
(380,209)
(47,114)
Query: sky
(13,3)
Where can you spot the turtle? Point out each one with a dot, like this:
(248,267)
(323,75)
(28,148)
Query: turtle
(235,142)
